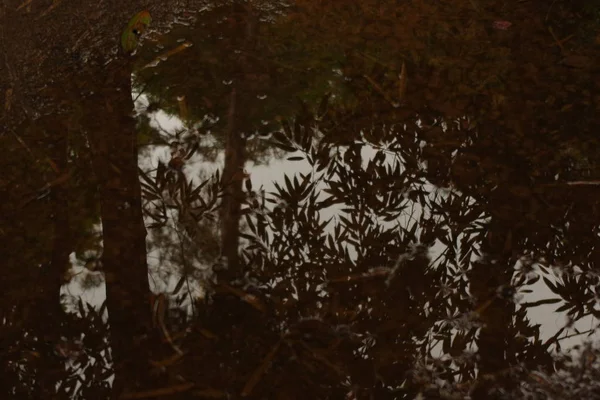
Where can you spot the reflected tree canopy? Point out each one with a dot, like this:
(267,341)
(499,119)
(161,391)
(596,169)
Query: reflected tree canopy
(360,200)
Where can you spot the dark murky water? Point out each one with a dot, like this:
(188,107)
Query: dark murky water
(300,200)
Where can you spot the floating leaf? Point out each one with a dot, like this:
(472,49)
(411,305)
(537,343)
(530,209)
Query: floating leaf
(131,34)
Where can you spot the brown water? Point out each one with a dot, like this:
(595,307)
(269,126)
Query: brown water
(300,200)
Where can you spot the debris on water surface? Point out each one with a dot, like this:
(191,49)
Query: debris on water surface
(501,25)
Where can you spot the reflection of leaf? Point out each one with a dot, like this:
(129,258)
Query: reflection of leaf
(564,307)
(551,286)
(282,146)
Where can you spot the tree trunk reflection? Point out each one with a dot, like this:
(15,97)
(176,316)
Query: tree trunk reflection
(113,140)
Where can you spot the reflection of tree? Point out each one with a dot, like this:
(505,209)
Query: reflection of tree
(46,79)
(230,45)
(124,249)
(43,207)
(503,154)
(73,207)
(233,176)
(96,104)
(356,286)
(357,300)
(234,84)
(357,306)
(24,223)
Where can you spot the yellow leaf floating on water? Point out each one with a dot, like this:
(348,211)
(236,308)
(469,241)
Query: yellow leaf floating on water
(131,34)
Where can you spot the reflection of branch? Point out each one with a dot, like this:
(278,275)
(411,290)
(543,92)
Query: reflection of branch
(211,393)
(402,80)
(539,303)
(8,99)
(141,92)
(12,78)
(583,183)
(167,361)
(379,90)
(159,309)
(374,59)
(371,273)
(186,267)
(167,54)
(556,41)
(26,3)
(148,394)
(40,192)
(553,339)
(320,357)
(572,183)
(249,298)
(273,61)
(576,334)
(47,159)
(259,372)
(52,7)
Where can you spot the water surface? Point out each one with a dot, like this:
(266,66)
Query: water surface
(304,199)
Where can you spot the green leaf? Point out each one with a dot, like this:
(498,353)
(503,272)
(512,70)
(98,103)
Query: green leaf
(136,26)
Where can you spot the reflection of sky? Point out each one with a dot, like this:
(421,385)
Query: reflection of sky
(263,176)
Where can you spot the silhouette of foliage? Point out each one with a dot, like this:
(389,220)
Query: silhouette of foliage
(435,186)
